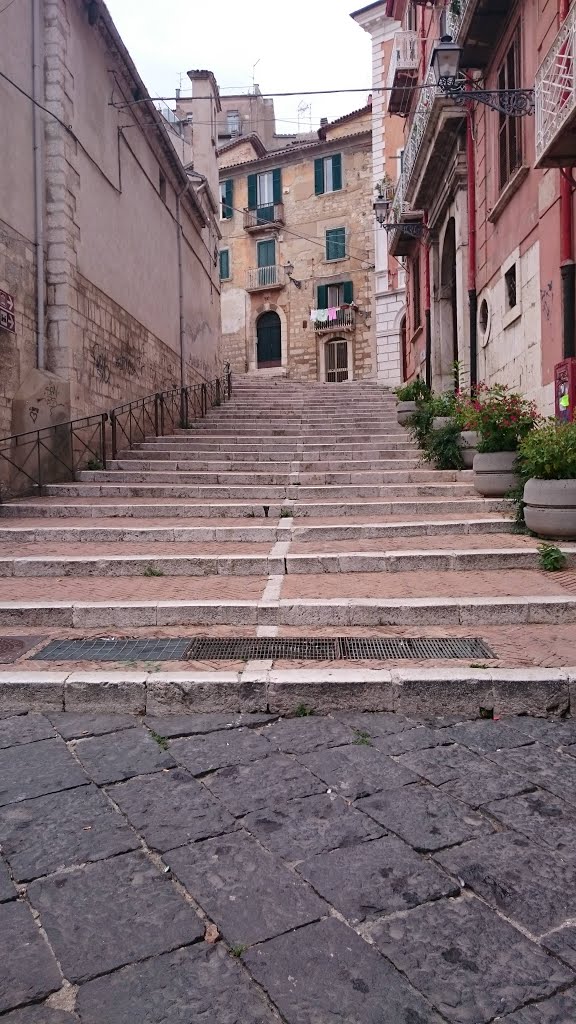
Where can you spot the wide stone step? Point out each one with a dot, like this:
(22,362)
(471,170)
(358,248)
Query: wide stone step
(180,508)
(229,477)
(304,613)
(266,493)
(143,464)
(18,537)
(250,560)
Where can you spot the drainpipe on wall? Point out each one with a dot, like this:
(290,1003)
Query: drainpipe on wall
(427,320)
(472,294)
(180,285)
(38,144)
(567,266)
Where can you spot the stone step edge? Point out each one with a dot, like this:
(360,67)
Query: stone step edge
(259,688)
(303,612)
(198,565)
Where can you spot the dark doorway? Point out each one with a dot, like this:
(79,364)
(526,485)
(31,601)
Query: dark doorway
(269,341)
(403,348)
(448,308)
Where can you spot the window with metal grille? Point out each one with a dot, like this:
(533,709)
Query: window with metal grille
(233,122)
(509,128)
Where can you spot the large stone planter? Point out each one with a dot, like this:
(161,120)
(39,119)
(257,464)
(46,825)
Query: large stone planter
(550,508)
(494,473)
(469,447)
(439,422)
(404,410)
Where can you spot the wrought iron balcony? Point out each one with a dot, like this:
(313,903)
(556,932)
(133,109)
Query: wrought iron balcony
(555,93)
(264,217)
(345,320)
(403,72)
(262,278)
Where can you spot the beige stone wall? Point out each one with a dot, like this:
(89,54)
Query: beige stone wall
(302,242)
(112,184)
(241,153)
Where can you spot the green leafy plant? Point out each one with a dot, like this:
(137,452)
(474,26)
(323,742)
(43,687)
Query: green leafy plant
(420,423)
(549,452)
(486,712)
(415,391)
(151,571)
(286,513)
(503,418)
(444,405)
(362,738)
(551,558)
(303,711)
(442,447)
(94,464)
(238,949)
(160,740)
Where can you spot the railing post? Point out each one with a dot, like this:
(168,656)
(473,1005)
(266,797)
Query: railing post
(204,400)
(103,438)
(229,380)
(161,398)
(156,415)
(113,431)
(218,399)
(39,462)
(184,408)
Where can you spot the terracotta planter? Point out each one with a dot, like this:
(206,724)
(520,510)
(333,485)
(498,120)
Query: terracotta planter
(494,473)
(404,410)
(469,446)
(550,509)
(441,421)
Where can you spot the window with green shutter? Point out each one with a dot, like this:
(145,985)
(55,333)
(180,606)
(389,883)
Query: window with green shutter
(225,265)
(336,244)
(226,199)
(322,296)
(328,174)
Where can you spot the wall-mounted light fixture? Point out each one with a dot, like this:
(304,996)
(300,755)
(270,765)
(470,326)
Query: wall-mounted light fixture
(445,62)
(289,268)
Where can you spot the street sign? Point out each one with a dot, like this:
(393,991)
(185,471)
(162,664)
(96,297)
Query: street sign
(7,321)
(6,301)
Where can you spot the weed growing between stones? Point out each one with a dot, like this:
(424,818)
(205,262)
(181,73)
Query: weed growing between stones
(303,711)
(551,558)
(160,740)
(151,571)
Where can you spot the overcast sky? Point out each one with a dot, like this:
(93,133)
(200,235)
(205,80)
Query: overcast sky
(303,44)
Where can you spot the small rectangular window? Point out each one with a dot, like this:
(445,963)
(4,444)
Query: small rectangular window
(162,186)
(233,122)
(336,244)
(328,174)
(225,265)
(511,295)
(226,200)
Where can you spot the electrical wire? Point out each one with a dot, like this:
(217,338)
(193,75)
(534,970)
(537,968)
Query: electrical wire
(9,4)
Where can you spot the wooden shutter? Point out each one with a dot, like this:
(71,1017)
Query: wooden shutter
(322,296)
(276,186)
(229,200)
(224,264)
(337,172)
(319,176)
(348,292)
(336,244)
(252,191)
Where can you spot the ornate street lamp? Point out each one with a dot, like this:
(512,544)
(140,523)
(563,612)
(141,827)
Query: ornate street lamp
(450,79)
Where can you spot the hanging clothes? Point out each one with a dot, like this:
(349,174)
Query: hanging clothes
(332,313)
(321,316)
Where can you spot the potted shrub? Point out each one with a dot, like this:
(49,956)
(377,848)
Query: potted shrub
(468,438)
(443,408)
(407,397)
(502,419)
(547,464)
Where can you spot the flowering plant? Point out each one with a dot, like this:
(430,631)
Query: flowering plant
(549,452)
(502,417)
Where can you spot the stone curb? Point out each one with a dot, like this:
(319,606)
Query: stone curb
(306,612)
(430,691)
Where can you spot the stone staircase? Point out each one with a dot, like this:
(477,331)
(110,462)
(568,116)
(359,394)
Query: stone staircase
(294,511)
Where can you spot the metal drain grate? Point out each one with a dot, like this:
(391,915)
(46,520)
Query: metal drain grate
(299,649)
(275,649)
(415,648)
(103,649)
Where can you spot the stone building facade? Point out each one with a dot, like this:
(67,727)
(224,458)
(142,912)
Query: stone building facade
(296,254)
(109,237)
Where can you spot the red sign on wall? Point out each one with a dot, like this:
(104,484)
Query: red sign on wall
(7,321)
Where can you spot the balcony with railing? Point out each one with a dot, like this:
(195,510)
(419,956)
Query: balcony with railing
(555,94)
(344,320)
(265,278)
(403,72)
(271,215)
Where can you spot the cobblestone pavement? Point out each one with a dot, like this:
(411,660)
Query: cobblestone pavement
(358,868)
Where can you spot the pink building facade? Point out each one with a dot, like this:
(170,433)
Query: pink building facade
(489,269)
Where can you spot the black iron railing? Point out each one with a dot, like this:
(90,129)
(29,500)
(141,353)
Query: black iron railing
(55,454)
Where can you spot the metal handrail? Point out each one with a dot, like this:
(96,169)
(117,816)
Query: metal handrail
(56,453)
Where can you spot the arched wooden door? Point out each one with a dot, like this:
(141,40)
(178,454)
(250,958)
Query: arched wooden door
(269,340)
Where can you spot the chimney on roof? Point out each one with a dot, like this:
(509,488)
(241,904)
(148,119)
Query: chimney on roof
(323,122)
(369,100)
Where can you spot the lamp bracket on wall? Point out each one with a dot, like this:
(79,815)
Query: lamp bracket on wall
(414,229)
(509,102)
